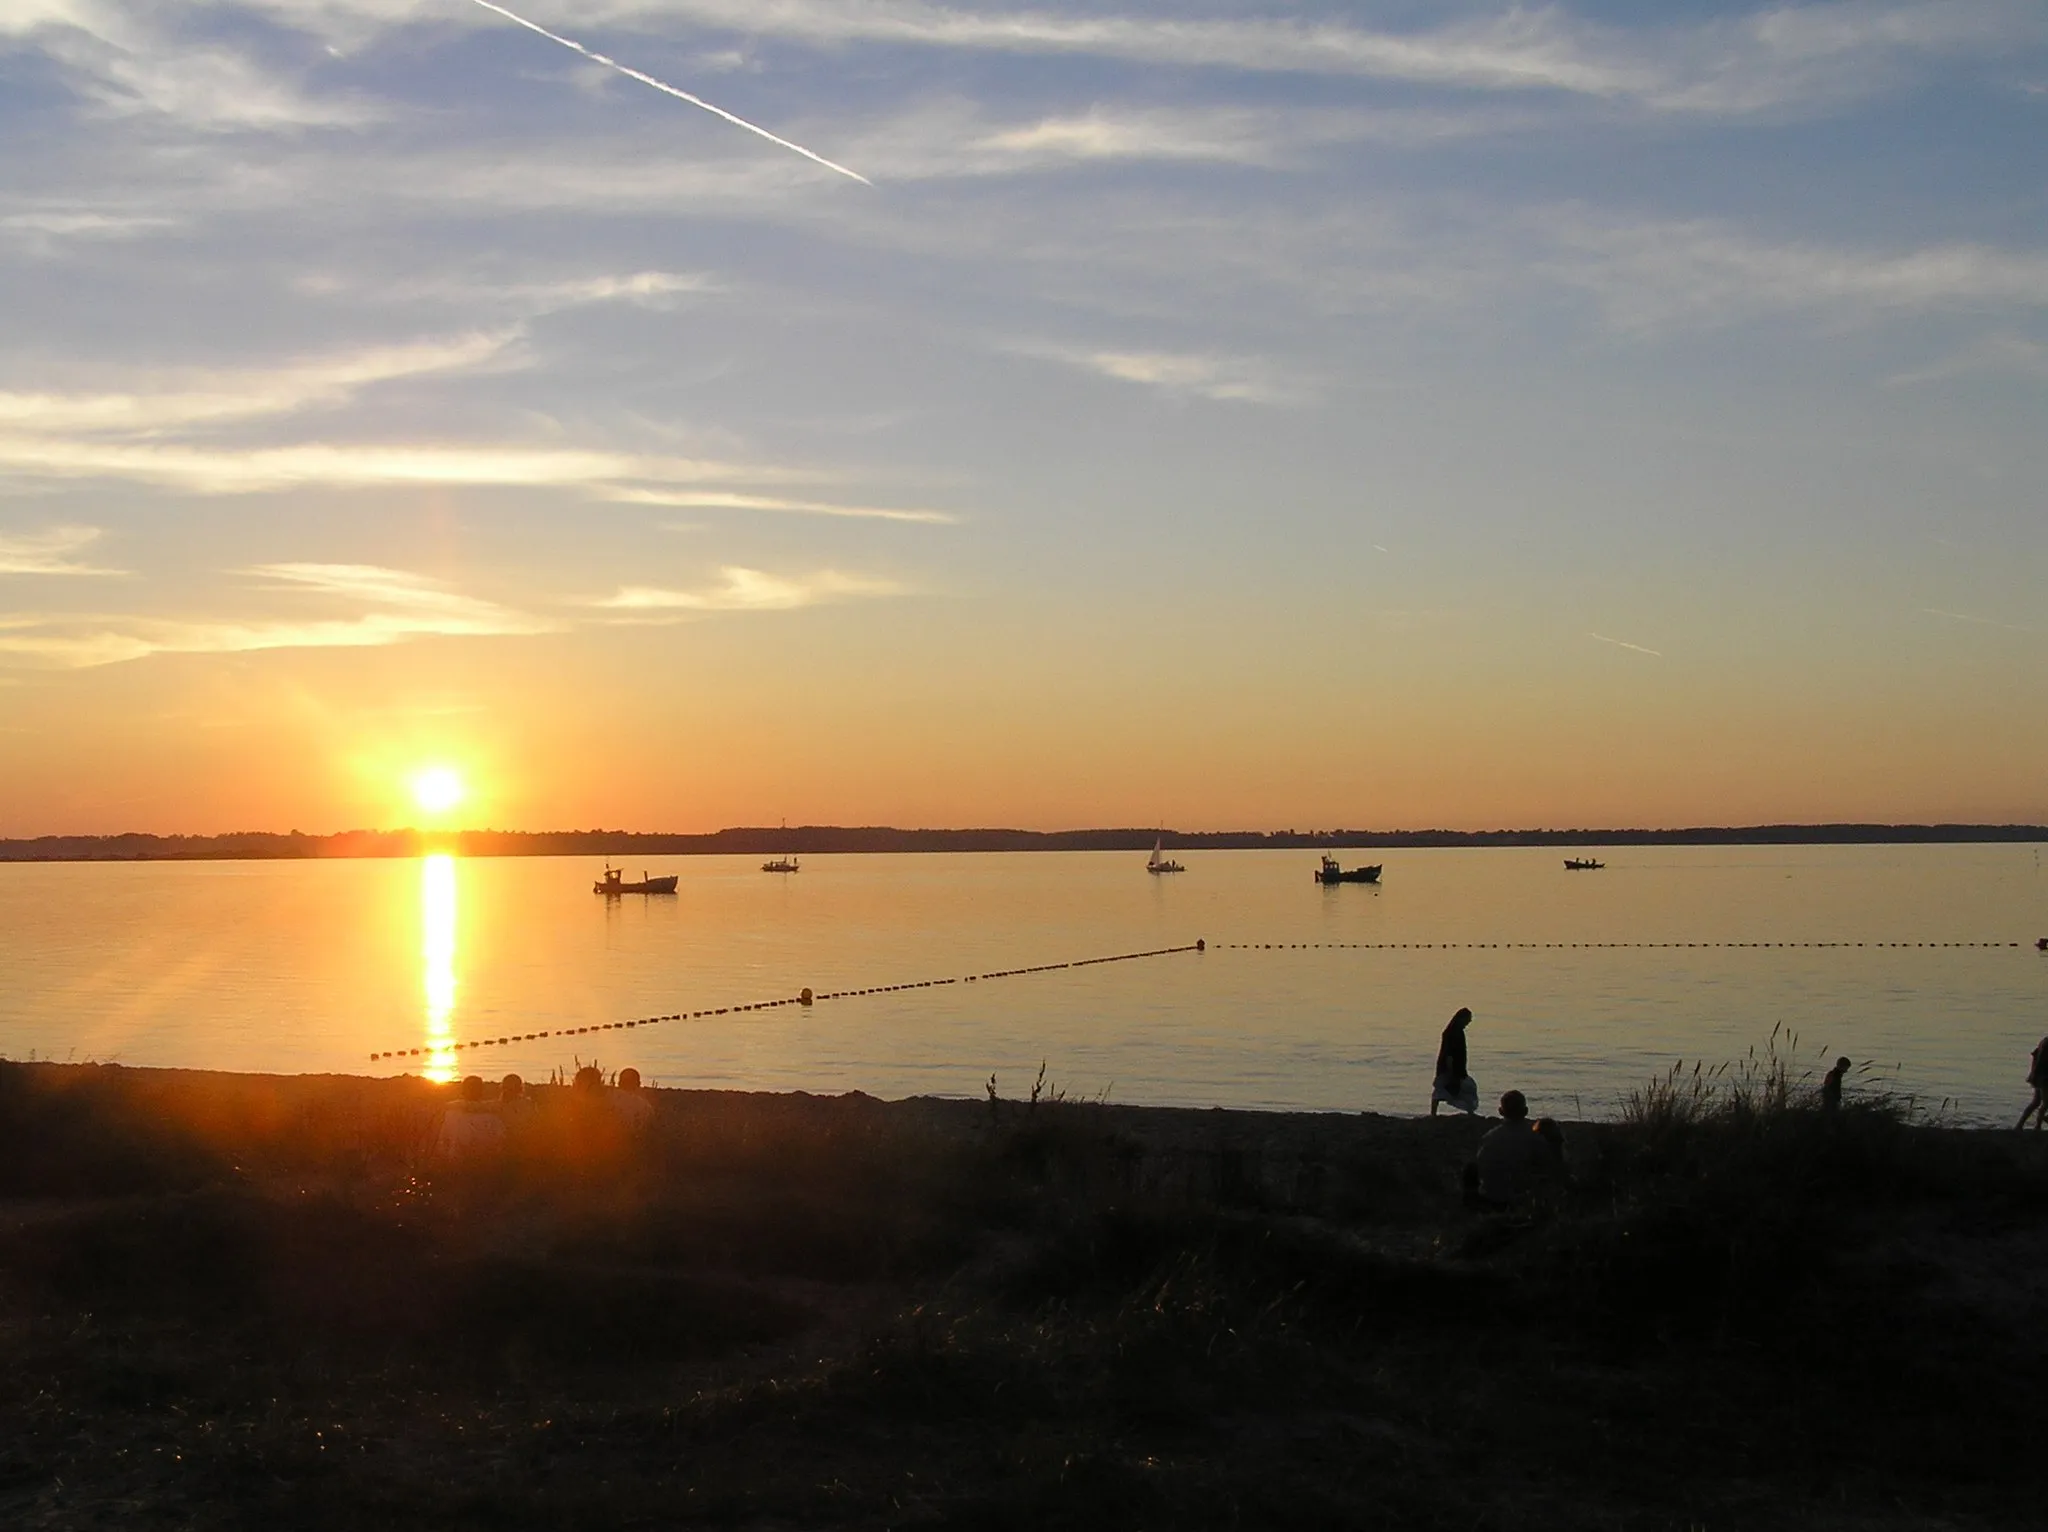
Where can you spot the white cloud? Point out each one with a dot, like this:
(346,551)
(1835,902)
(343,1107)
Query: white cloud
(119,59)
(750,590)
(1794,56)
(1649,274)
(1994,355)
(722,500)
(1235,380)
(200,396)
(1974,620)
(234,471)
(49,552)
(392,606)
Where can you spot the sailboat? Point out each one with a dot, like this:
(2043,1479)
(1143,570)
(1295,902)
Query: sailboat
(1158,864)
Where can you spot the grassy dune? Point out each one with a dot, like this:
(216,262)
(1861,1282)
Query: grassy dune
(242,1301)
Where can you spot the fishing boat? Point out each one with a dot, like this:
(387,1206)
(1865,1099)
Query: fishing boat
(787,861)
(614,883)
(1582,864)
(1157,863)
(1332,872)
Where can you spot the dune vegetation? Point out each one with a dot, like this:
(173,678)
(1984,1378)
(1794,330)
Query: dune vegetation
(241,1301)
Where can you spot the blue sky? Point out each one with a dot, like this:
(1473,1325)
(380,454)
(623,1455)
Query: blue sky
(1324,414)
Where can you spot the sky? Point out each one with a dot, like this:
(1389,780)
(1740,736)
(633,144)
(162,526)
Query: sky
(1217,416)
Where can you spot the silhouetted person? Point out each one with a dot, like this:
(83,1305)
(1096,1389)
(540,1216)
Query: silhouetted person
(514,1105)
(1453,1084)
(1517,1154)
(468,1125)
(634,1110)
(1831,1087)
(2037,1076)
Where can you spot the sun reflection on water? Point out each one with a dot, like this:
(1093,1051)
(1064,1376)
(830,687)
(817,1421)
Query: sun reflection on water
(437,955)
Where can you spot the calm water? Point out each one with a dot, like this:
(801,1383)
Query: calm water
(311,966)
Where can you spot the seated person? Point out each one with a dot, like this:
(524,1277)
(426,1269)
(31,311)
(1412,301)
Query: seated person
(635,1112)
(469,1127)
(1516,1155)
(515,1106)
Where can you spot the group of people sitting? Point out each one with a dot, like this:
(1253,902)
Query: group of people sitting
(474,1124)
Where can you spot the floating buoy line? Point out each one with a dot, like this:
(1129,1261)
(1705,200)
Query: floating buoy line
(1563,946)
(806,997)
(802,997)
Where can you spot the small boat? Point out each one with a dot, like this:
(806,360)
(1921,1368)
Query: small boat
(1157,863)
(1331,872)
(614,883)
(1582,864)
(786,862)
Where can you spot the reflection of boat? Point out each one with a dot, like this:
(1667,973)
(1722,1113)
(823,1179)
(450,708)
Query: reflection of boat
(1330,872)
(614,883)
(1158,863)
(1582,864)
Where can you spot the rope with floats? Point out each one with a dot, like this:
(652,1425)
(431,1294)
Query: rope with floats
(802,997)
(1564,946)
(806,997)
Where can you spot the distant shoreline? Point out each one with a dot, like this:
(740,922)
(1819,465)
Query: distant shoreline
(822,840)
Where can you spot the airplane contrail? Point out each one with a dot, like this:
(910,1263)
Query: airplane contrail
(681,95)
(1622,643)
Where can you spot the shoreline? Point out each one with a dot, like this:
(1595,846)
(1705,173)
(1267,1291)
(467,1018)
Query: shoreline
(831,840)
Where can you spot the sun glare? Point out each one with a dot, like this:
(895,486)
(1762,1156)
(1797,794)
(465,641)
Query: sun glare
(437,790)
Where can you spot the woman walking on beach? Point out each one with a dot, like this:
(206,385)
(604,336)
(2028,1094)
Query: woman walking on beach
(1452,1083)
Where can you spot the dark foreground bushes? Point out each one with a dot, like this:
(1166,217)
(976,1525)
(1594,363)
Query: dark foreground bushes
(228,1302)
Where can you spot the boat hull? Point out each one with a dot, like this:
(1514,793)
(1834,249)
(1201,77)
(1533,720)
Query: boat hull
(644,886)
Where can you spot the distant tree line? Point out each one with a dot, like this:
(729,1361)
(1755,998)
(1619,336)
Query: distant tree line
(814,840)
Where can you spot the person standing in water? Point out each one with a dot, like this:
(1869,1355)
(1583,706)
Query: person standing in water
(2037,1077)
(1453,1084)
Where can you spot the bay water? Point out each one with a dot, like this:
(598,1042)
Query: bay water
(1307,997)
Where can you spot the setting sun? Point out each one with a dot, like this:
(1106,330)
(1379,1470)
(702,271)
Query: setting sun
(437,789)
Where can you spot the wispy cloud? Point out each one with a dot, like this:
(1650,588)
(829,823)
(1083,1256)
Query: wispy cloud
(1993,355)
(526,297)
(1793,56)
(954,139)
(389,606)
(1230,379)
(1651,273)
(721,500)
(211,397)
(52,551)
(1622,643)
(1975,621)
(235,471)
(750,590)
(128,62)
